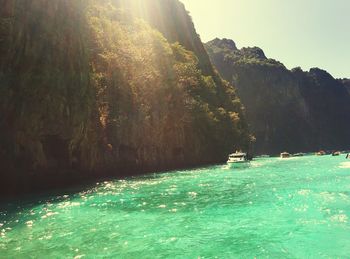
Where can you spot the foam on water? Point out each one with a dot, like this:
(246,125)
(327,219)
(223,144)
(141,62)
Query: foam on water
(345,165)
(275,208)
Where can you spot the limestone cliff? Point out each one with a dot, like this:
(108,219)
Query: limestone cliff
(286,110)
(93,88)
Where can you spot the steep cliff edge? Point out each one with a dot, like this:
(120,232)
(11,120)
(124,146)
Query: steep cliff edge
(286,110)
(107,88)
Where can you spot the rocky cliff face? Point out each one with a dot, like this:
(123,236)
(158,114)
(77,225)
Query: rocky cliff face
(107,88)
(286,110)
(346,83)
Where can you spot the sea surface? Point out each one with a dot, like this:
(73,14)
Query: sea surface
(274,208)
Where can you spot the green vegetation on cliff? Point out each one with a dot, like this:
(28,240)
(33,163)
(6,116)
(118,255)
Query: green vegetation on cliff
(101,87)
(286,110)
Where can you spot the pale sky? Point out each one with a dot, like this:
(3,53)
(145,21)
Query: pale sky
(305,33)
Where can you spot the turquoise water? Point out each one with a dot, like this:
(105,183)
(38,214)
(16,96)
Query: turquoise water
(291,208)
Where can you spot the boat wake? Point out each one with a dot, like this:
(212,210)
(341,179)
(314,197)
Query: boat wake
(344,165)
(225,167)
(256,164)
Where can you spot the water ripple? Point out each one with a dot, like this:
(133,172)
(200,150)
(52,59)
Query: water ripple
(274,208)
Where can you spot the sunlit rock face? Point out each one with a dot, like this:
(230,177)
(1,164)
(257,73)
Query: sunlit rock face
(107,88)
(286,109)
(172,20)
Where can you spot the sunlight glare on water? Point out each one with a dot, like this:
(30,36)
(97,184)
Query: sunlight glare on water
(290,208)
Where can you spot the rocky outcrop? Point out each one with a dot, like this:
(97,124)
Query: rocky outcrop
(101,88)
(286,110)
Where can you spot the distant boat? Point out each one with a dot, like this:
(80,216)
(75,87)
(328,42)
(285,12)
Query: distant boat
(238,158)
(336,153)
(299,154)
(321,153)
(285,155)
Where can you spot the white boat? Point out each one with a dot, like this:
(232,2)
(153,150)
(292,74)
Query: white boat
(285,155)
(238,158)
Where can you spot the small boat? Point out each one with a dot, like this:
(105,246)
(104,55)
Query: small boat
(285,155)
(321,153)
(238,158)
(336,153)
(347,156)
